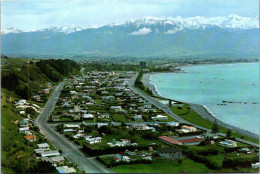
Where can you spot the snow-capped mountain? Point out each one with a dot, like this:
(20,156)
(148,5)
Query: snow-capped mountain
(10,30)
(231,21)
(66,29)
(228,36)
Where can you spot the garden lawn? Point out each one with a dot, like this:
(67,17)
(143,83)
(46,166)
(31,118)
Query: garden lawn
(187,166)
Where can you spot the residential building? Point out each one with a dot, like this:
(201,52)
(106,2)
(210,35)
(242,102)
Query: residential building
(44,146)
(50,153)
(66,169)
(160,117)
(138,118)
(30,138)
(170,153)
(93,140)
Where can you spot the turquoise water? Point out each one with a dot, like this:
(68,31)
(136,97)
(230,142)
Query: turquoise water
(210,85)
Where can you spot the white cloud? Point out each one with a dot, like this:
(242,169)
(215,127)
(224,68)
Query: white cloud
(142,31)
(171,32)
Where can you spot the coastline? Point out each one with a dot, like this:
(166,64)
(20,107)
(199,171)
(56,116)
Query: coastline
(201,109)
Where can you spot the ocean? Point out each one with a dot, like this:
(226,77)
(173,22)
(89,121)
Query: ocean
(229,91)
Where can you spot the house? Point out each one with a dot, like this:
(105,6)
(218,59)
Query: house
(88,116)
(140,127)
(138,118)
(72,126)
(93,140)
(46,91)
(169,141)
(126,141)
(108,98)
(106,115)
(116,108)
(73,92)
(245,150)
(229,143)
(117,158)
(125,158)
(55,118)
(50,153)
(22,112)
(170,153)
(66,169)
(189,128)
(209,135)
(24,122)
(69,130)
(147,158)
(57,159)
(172,123)
(255,165)
(24,130)
(160,117)
(101,124)
(44,146)
(30,138)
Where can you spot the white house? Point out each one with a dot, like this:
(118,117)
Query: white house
(44,146)
(138,118)
(93,140)
(87,116)
(24,130)
(173,123)
(160,117)
(50,153)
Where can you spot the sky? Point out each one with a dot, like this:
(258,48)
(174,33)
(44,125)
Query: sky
(37,14)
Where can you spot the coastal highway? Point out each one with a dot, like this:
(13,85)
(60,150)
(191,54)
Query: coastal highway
(69,150)
(167,110)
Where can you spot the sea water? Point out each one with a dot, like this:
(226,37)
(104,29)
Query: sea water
(229,91)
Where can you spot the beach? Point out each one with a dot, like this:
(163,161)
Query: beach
(200,109)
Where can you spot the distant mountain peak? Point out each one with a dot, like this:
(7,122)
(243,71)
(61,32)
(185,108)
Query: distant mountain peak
(10,30)
(64,29)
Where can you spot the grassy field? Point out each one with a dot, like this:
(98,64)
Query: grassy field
(187,166)
(191,116)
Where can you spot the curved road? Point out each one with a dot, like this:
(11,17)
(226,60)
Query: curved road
(69,150)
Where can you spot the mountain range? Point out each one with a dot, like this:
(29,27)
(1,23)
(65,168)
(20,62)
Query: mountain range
(227,36)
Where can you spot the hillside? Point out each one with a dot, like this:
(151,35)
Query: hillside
(26,76)
(21,78)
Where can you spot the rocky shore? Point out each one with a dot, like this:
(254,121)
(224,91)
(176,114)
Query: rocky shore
(200,109)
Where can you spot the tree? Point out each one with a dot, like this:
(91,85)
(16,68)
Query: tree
(229,133)
(143,64)
(215,127)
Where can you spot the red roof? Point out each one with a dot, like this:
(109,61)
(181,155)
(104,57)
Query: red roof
(29,137)
(170,140)
(191,140)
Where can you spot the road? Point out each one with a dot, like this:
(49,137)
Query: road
(167,110)
(69,150)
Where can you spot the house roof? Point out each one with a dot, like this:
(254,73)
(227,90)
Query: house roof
(50,153)
(170,140)
(57,158)
(28,137)
(191,140)
(43,145)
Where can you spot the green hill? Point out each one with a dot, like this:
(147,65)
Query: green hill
(20,79)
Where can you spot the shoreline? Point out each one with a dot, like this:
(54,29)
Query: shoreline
(203,111)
